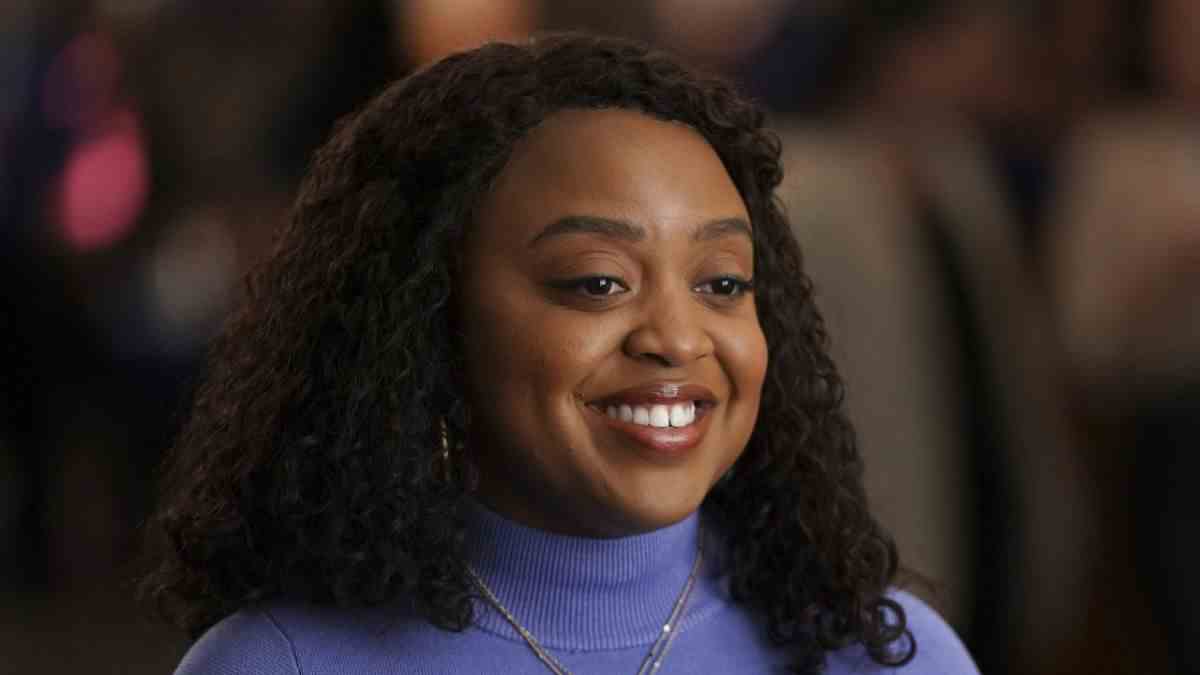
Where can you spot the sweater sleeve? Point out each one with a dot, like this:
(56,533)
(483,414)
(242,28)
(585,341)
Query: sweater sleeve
(939,650)
(250,642)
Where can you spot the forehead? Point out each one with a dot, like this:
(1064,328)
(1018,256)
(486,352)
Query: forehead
(614,163)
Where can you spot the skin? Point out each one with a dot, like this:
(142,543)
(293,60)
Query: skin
(558,321)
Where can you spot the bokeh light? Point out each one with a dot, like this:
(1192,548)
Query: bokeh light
(104,185)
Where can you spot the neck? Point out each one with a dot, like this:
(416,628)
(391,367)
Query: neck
(583,593)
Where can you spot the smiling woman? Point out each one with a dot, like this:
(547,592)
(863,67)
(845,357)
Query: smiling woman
(533,382)
(632,297)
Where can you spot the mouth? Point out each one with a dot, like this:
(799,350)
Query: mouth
(657,415)
(666,419)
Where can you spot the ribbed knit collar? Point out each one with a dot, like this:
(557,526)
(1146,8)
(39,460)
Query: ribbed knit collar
(582,594)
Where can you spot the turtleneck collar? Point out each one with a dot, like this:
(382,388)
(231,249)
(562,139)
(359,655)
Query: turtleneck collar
(583,594)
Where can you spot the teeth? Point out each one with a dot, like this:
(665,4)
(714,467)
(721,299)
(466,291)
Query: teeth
(641,415)
(658,416)
(681,414)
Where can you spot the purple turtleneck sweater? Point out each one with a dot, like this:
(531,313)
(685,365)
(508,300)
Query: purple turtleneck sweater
(597,605)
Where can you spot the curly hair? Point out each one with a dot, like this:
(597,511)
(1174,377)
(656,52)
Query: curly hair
(307,467)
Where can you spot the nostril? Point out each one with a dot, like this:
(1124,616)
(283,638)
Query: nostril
(660,359)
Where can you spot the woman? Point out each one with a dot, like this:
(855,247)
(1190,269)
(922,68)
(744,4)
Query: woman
(515,336)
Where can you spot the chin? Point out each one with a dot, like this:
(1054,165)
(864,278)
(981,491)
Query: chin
(653,513)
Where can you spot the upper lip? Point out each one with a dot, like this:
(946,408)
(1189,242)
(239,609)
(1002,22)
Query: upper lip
(658,392)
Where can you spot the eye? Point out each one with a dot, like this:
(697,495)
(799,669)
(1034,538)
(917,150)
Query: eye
(725,286)
(596,286)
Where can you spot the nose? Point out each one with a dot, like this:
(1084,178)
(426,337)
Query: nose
(670,330)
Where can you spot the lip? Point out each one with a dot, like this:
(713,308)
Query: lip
(660,443)
(659,392)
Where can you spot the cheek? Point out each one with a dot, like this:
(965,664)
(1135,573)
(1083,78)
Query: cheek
(744,351)
(524,352)
(503,357)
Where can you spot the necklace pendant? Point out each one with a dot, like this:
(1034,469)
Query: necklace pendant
(658,651)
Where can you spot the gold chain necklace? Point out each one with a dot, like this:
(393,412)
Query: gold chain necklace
(658,651)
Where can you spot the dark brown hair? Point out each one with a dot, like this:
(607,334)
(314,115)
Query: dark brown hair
(306,469)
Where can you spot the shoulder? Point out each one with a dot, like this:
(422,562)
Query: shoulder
(939,651)
(250,641)
(297,639)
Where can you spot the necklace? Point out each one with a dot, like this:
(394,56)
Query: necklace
(658,651)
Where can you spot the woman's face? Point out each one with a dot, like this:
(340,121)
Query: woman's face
(614,359)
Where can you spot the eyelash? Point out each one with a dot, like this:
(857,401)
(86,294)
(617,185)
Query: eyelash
(739,286)
(580,285)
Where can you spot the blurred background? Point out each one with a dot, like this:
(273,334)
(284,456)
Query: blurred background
(999,201)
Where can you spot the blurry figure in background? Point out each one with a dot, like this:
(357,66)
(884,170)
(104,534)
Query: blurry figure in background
(1125,266)
(149,156)
(73,187)
(916,240)
(719,35)
(433,29)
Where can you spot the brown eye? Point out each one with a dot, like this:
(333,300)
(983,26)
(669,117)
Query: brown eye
(599,286)
(726,286)
(595,286)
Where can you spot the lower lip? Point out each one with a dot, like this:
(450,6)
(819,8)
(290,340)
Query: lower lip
(667,442)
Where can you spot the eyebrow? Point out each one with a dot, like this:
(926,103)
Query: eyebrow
(606,227)
(616,228)
(722,227)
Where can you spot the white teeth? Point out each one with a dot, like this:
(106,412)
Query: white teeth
(641,416)
(660,416)
(682,414)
